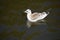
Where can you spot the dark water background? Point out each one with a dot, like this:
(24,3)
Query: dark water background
(13,20)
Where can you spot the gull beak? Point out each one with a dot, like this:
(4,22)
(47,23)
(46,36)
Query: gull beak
(24,11)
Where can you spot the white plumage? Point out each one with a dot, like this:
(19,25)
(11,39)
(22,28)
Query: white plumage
(33,17)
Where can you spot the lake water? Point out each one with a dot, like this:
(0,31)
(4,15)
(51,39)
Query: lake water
(14,24)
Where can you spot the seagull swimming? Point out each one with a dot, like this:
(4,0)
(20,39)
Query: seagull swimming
(34,17)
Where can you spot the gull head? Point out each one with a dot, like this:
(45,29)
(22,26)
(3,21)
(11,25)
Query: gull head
(28,11)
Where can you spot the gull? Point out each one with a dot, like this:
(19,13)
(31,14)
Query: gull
(34,17)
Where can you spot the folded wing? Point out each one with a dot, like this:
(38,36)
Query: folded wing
(35,15)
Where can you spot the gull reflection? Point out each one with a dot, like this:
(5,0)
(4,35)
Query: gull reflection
(40,22)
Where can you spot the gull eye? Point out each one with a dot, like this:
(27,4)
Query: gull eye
(26,11)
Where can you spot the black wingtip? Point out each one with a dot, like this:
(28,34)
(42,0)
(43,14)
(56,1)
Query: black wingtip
(48,10)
